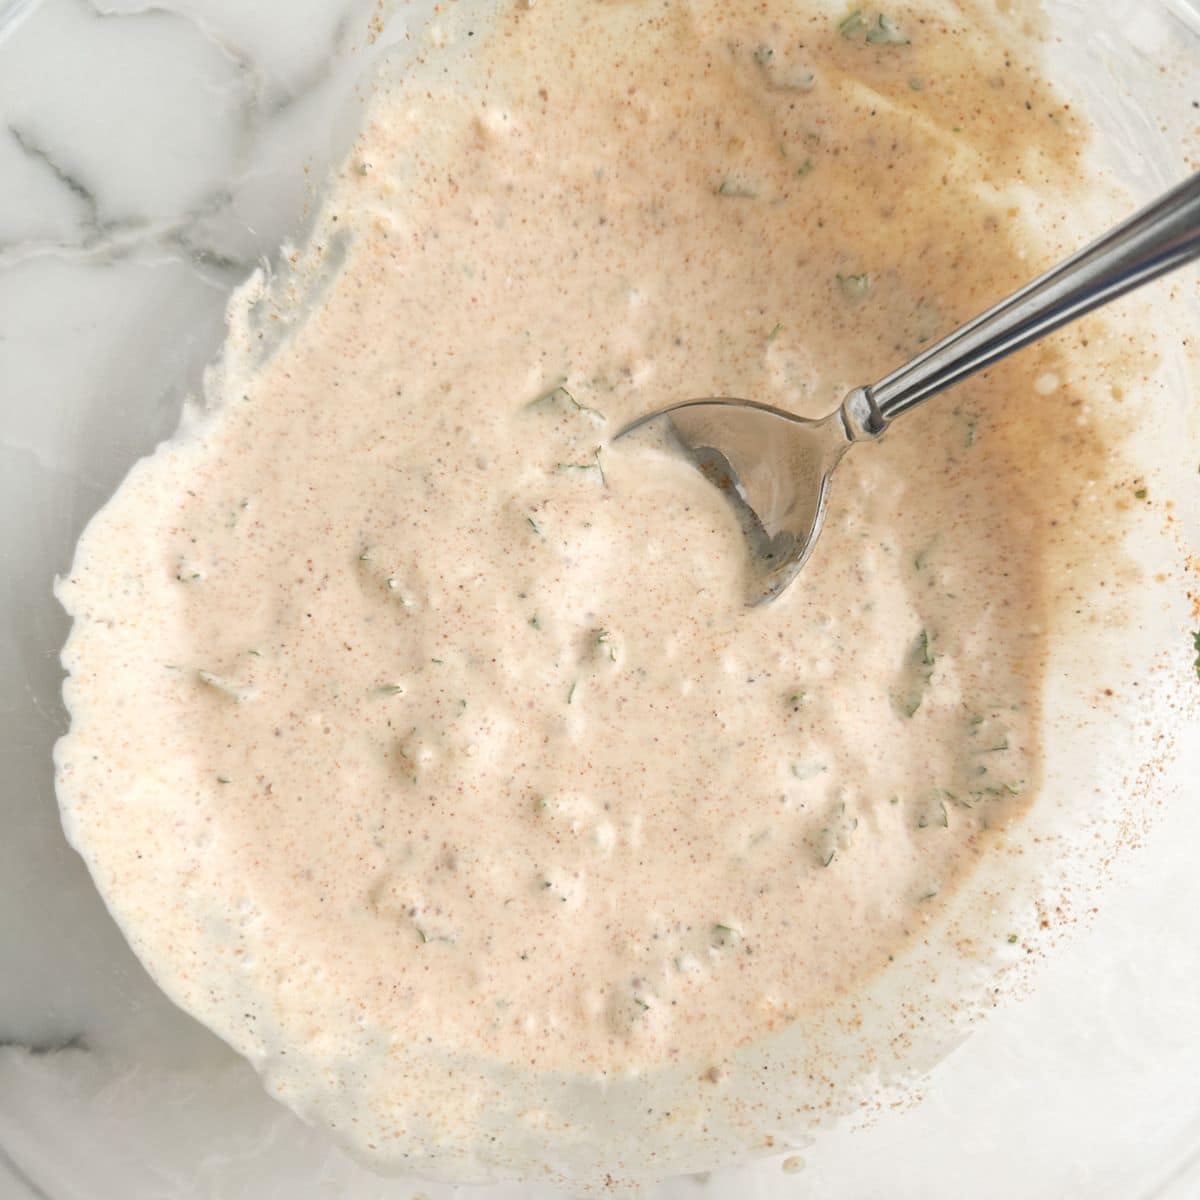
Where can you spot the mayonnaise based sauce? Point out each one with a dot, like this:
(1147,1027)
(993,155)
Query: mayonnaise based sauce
(411,716)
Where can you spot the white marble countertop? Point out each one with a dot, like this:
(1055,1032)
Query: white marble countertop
(151,152)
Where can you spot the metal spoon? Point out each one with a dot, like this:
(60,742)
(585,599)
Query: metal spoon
(775,467)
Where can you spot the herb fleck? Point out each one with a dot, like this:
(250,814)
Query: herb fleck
(730,187)
(559,393)
(934,816)
(855,287)
(594,465)
(885,32)
(918,671)
(853,24)
(926,657)
(604,644)
(803,771)
(217,683)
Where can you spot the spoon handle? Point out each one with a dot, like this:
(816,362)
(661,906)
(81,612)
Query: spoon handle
(1162,236)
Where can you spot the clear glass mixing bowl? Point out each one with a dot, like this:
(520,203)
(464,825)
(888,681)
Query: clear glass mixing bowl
(152,154)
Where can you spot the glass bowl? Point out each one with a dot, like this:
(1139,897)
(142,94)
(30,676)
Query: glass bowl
(153,155)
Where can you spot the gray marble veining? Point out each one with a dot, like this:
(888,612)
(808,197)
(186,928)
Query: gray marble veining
(151,155)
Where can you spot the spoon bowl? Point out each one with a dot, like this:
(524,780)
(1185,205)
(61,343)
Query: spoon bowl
(772,466)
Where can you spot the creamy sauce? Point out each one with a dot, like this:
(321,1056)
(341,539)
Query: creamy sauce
(411,717)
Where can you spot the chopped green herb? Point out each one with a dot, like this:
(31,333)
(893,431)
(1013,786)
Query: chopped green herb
(534,526)
(724,935)
(1012,939)
(855,287)
(774,332)
(730,187)
(926,657)
(571,693)
(222,778)
(605,645)
(919,671)
(641,1003)
(1196,647)
(558,393)
(804,168)
(390,689)
(255,653)
(535,621)
(1140,494)
(594,465)
(803,771)
(365,556)
(934,816)
(915,84)
(439,661)
(853,24)
(885,32)
(218,684)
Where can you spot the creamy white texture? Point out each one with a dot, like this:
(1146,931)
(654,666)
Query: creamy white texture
(412,718)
